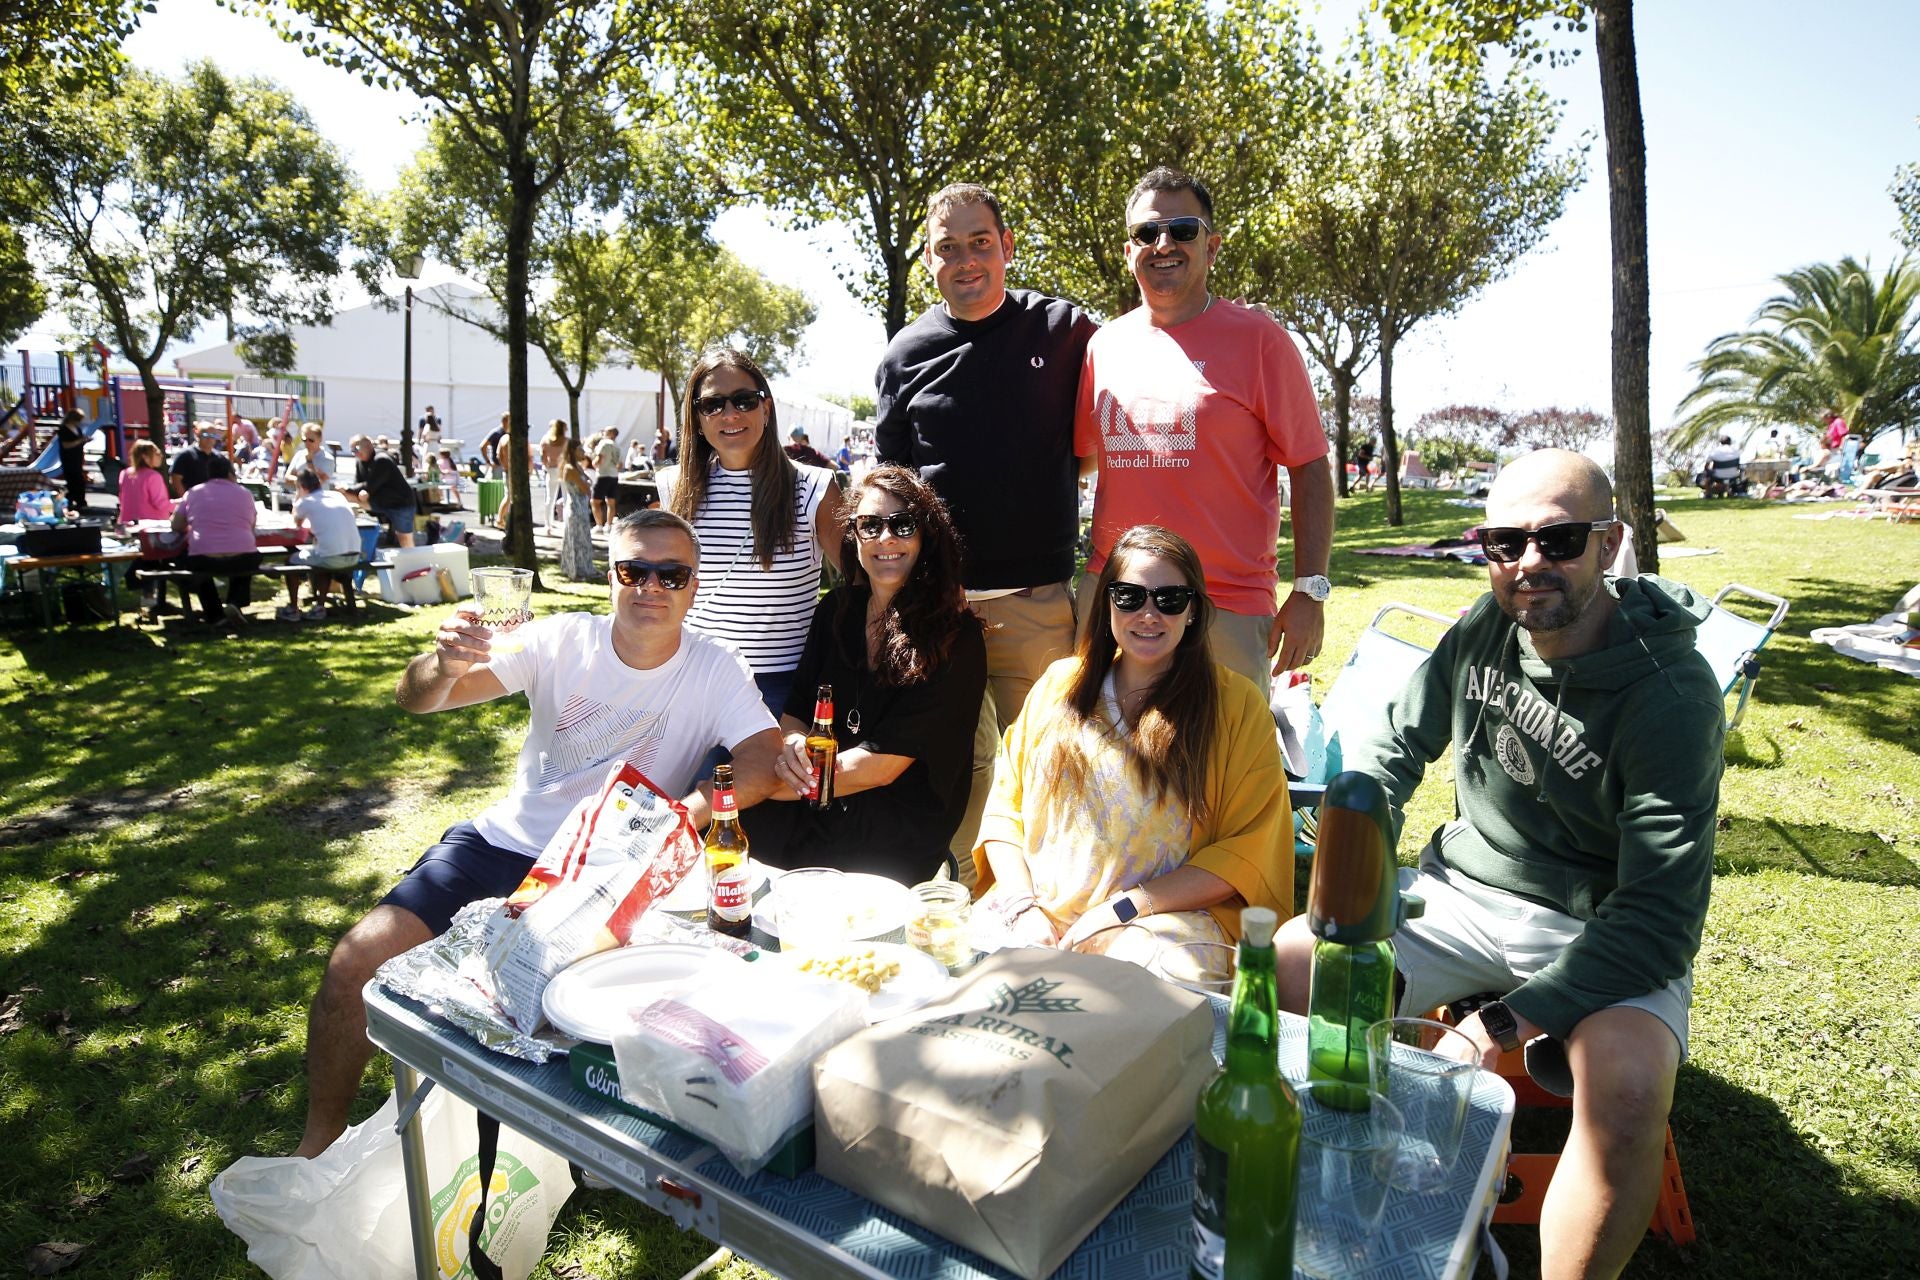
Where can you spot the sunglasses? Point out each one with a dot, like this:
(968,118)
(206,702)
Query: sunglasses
(1179,230)
(671,576)
(901,524)
(1556,541)
(1170,602)
(742,401)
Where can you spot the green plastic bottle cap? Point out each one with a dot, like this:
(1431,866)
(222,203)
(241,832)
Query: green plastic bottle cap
(1258,924)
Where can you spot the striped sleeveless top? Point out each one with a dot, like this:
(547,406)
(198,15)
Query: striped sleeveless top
(764,612)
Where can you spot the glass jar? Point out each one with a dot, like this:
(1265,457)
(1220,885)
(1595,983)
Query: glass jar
(939,923)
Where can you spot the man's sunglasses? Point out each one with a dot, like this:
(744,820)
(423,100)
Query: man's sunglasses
(1180,230)
(1170,602)
(742,401)
(1556,541)
(901,524)
(634,573)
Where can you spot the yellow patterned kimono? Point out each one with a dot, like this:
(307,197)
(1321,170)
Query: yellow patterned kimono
(1083,848)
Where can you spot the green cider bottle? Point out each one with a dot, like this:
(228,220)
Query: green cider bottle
(1246,1132)
(1354,907)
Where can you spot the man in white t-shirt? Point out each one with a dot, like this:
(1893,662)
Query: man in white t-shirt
(606,477)
(334,551)
(633,686)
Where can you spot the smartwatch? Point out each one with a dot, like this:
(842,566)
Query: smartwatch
(1316,587)
(1500,1024)
(1124,910)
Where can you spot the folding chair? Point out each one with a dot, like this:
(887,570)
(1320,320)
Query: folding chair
(1379,667)
(1731,644)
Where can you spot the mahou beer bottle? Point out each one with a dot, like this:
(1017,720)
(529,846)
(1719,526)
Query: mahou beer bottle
(729,896)
(822,747)
(1246,1132)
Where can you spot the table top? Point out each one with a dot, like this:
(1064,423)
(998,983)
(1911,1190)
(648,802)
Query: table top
(26,564)
(808,1226)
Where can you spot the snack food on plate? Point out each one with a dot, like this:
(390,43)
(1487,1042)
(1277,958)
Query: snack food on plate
(862,968)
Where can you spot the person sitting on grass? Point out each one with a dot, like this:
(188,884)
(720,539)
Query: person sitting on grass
(1141,782)
(334,552)
(217,517)
(632,685)
(1586,733)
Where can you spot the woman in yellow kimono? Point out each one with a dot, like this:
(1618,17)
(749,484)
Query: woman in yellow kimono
(1141,783)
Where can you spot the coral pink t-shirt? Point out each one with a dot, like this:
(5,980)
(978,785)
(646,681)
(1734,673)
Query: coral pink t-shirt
(1191,425)
(143,495)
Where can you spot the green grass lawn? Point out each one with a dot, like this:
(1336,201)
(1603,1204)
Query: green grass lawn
(188,820)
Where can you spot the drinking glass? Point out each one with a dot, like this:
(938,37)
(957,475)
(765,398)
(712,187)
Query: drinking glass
(939,923)
(1347,1160)
(1203,967)
(810,910)
(504,598)
(1425,1068)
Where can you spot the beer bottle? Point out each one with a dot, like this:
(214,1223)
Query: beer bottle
(729,878)
(822,747)
(1246,1132)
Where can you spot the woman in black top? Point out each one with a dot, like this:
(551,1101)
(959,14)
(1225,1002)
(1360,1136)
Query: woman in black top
(73,460)
(908,666)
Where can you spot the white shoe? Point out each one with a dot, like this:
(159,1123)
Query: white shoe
(316,614)
(287,613)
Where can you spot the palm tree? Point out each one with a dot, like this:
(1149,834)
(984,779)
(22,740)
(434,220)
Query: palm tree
(1838,339)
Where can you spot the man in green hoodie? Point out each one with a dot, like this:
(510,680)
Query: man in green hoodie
(1587,736)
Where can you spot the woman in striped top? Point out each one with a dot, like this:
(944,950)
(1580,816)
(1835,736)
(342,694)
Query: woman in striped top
(765,522)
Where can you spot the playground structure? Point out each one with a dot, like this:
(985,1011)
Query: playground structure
(116,404)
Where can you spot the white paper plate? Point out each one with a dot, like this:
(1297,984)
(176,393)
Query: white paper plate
(920,979)
(589,999)
(876,906)
(689,897)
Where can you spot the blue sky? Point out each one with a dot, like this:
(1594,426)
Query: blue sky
(1773,131)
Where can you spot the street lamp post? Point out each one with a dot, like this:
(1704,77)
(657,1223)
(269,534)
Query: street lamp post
(407,266)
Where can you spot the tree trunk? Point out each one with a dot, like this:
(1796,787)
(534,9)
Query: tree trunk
(1342,425)
(1632,326)
(898,267)
(521,199)
(1389,447)
(156,402)
(573,406)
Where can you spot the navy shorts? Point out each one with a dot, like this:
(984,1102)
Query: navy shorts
(462,868)
(400,519)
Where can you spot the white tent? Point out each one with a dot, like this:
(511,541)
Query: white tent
(825,423)
(458,368)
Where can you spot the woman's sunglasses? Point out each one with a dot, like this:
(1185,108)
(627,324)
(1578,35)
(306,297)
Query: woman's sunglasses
(634,573)
(742,401)
(901,524)
(1556,541)
(1170,602)
(1179,230)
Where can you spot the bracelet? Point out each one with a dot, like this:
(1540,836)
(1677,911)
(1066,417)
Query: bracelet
(1146,899)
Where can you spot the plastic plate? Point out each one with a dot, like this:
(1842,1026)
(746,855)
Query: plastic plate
(920,979)
(589,999)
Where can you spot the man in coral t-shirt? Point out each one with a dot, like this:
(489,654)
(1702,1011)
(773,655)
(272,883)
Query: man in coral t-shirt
(1189,405)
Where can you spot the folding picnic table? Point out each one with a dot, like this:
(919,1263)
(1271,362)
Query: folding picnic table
(809,1228)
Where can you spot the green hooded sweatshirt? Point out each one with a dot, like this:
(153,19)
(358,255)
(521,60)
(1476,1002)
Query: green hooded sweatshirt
(1590,785)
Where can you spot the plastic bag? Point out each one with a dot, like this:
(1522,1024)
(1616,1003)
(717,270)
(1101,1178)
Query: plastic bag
(343,1214)
(732,1060)
(1303,736)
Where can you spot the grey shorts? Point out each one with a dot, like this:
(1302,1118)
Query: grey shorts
(1476,938)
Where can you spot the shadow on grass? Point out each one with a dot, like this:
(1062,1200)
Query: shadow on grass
(1839,853)
(1765,1202)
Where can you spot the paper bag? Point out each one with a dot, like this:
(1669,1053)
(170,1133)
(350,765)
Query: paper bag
(1012,1116)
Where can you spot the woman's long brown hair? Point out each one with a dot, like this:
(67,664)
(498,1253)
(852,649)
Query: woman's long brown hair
(1171,741)
(772,470)
(925,616)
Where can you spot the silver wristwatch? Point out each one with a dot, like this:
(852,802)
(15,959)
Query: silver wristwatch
(1315,587)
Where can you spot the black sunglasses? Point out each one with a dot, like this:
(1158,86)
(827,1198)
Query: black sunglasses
(743,401)
(634,573)
(901,524)
(1181,230)
(1556,541)
(1171,602)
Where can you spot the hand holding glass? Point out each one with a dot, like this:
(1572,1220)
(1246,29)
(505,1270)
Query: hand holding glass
(504,598)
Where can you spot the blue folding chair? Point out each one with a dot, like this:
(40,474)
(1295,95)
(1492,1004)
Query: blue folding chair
(1731,644)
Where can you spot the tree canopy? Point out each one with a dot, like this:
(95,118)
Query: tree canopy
(163,204)
(1839,338)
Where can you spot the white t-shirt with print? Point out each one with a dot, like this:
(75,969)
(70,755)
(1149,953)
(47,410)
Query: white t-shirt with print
(591,709)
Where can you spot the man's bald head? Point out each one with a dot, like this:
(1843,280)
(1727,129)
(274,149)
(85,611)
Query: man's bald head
(1558,476)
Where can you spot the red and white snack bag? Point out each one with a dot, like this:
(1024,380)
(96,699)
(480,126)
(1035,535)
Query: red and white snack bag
(615,855)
